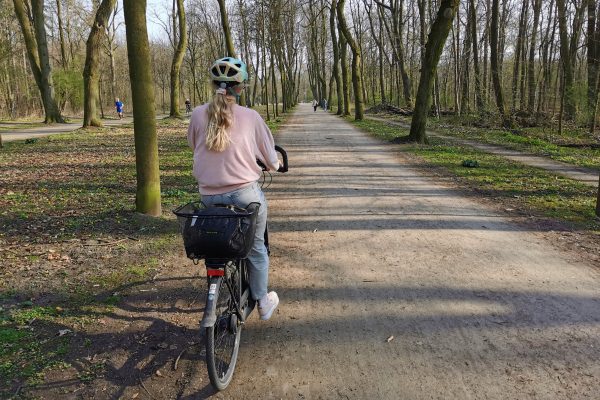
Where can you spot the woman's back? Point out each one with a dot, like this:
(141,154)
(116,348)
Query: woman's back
(224,171)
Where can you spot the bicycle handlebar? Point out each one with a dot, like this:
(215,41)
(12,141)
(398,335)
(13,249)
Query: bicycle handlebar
(284,167)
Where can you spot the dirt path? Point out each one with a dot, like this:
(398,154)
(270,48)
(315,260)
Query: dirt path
(585,175)
(54,129)
(366,249)
(392,286)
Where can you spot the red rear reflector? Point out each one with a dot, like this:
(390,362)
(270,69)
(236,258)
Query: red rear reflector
(215,272)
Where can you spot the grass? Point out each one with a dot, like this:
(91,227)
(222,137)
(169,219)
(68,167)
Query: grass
(9,126)
(574,146)
(533,190)
(24,353)
(73,195)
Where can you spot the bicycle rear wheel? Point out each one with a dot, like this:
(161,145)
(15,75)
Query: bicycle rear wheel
(223,338)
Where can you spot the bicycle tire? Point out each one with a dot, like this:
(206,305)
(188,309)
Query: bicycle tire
(223,338)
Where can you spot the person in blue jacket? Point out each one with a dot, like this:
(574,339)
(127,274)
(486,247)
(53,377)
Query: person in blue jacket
(119,106)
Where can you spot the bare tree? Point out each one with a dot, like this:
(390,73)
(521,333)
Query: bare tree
(593,60)
(357,82)
(433,50)
(495,64)
(90,71)
(144,115)
(32,21)
(226,29)
(178,56)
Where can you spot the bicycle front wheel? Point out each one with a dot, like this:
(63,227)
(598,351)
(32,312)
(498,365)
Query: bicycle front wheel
(223,338)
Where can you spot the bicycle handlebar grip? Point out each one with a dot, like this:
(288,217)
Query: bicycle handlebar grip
(284,167)
(261,165)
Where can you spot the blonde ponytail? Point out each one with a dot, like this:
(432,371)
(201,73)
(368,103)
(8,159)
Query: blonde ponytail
(220,118)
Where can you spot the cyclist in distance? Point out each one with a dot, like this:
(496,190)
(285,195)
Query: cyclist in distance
(227,139)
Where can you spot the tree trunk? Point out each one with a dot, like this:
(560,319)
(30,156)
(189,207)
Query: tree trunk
(177,61)
(396,8)
(537,7)
(345,81)
(37,52)
(456,69)
(433,50)
(39,23)
(226,29)
(356,62)
(90,71)
(144,115)
(63,51)
(570,108)
(465,103)
(478,92)
(518,52)
(494,64)
(336,59)
(598,200)
(593,62)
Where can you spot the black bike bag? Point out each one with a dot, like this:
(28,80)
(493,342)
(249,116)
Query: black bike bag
(220,231)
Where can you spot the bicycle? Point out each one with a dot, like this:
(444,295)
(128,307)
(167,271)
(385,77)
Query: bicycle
(222,236)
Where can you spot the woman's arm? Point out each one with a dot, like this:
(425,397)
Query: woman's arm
(266,145)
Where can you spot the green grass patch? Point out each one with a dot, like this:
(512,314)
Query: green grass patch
(11,126)
(24,354)
(79,186)
(533,189)
(573,146)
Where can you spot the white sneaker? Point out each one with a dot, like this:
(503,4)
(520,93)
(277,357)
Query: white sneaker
(267,305)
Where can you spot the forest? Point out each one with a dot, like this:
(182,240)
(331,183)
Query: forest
(437,233)
(511,63)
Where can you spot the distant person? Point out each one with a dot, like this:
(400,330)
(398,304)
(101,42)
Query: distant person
(325,104)
(119,106)
(315,104)
(188,106)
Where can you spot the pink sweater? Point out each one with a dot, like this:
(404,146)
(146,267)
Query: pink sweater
(235,167)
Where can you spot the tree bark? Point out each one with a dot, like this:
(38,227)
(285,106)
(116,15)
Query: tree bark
(37,52)
(433,50)
(226,29)
(356,62)
(336,58)
(90,71)
(63,51)
(593,61)
(494,65)
(570,108)
(598,200)
(144,115)
(518,52)
(178,60)
(39,23)
(478,91)
(395,34)
(345,82)
(378,38)
(537,7)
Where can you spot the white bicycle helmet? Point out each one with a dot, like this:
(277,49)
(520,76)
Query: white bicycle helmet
(229,69)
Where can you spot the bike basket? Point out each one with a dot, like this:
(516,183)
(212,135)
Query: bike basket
(217,232)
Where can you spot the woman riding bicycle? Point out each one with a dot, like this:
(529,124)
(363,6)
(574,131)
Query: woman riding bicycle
(227,139)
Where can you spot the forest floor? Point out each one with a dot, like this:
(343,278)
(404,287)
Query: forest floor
(396,279)
(586,175)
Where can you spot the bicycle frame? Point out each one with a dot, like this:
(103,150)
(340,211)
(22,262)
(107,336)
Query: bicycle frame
(215,271)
